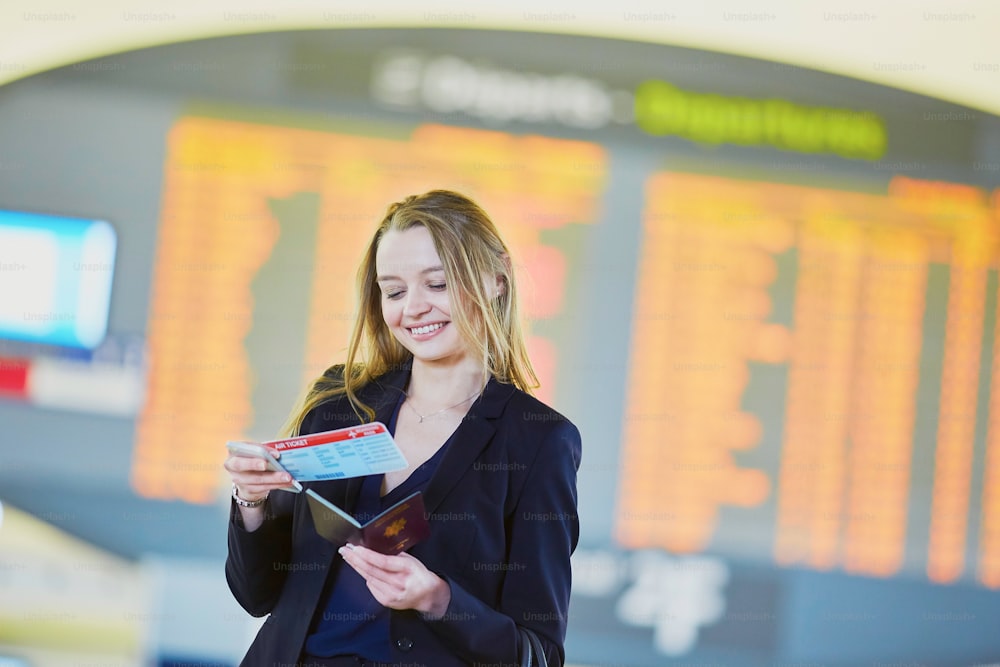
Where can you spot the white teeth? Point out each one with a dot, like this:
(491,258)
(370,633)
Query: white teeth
(427,329)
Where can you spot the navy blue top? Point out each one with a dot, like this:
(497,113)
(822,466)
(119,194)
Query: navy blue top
(353,622)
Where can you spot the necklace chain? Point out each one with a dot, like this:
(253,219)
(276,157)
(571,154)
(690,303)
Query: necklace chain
(423,417)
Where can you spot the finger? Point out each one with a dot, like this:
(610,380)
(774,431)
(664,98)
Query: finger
(269,479)
(388,593)
(391,579)
(371,572)
(383,561)
(237,463)
(350,554)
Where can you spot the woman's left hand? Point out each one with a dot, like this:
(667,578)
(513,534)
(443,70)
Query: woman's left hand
(400,581)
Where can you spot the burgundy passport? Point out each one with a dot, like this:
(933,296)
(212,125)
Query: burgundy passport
(396,529)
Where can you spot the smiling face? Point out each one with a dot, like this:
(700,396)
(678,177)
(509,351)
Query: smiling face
(416,303)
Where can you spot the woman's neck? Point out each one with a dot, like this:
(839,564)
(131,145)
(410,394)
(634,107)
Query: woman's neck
(432,383)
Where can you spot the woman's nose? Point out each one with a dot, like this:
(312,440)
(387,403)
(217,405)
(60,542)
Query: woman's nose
(416,303)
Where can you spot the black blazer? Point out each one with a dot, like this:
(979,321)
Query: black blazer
(503,511)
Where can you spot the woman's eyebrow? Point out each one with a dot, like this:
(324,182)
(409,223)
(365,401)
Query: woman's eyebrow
(433,269)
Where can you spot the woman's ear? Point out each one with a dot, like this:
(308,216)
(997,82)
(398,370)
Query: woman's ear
(501,278)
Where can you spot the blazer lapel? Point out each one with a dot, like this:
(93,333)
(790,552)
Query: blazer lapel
(469,440)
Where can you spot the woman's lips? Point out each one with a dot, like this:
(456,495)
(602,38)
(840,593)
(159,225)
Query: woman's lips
(425,331)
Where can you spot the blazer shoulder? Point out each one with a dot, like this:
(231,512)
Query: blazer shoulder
(528,414)
(332,378)
(529,409)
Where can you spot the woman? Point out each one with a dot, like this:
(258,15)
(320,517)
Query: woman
(438,355)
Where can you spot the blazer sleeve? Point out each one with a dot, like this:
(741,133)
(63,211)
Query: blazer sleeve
(256,566)
(543,532)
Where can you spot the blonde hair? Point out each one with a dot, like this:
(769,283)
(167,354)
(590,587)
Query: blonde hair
(471,250)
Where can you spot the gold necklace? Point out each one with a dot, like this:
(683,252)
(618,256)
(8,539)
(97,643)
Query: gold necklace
(423,417)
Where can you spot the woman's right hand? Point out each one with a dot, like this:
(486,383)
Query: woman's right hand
(252,477)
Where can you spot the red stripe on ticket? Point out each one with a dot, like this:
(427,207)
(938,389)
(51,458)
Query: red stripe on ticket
(328,437)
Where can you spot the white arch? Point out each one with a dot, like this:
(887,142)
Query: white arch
(935,47)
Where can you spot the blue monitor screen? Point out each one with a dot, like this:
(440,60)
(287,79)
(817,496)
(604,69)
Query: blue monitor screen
(55,278)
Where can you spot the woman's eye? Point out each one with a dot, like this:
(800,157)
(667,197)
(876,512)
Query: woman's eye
(394,295)
(438,286)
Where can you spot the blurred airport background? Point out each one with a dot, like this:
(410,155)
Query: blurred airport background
(766,292)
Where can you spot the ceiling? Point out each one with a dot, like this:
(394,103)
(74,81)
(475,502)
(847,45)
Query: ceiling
(945,49)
